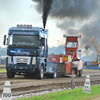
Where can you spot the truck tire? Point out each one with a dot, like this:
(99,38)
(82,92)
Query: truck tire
(54,75)
(40,74)
(77,73)
(80,73)
(10,74)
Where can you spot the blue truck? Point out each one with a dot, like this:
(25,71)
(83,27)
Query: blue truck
(27,50)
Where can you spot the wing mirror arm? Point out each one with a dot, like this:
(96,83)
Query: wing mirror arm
(4,42)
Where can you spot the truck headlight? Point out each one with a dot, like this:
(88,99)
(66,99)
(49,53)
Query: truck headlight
(9,60)
(34,60)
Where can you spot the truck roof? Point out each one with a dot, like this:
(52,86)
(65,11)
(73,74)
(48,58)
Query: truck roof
(22,28)
(27,29)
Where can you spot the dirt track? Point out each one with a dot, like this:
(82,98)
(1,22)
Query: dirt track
(21,85)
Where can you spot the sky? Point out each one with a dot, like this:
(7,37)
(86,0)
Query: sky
(70,17)
(13,12)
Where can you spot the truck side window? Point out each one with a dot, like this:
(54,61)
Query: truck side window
(42,41)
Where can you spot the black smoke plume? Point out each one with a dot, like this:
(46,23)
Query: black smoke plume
(43,7)
(46,10)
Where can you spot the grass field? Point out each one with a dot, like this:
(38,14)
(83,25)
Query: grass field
(78,94)
(2,70)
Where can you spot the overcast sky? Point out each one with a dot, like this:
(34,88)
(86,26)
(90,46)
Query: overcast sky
(13,12)
(71,17)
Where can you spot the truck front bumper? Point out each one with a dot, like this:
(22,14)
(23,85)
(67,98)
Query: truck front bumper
(21,69)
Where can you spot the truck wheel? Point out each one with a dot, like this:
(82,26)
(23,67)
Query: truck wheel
(39,74)
(77,73)
(10,74)
(80,73)
(55,74)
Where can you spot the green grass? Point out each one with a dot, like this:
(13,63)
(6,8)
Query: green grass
(78,94)
(2,70)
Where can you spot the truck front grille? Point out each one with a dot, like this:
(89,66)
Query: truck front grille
(21,60)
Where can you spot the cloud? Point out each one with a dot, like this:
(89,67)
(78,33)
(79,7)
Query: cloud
(76,17)
(81,9)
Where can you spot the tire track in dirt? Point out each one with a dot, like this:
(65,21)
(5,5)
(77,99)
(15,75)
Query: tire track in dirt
(21,85)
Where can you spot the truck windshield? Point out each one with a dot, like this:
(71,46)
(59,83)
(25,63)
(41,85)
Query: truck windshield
(71,44)
(24,40)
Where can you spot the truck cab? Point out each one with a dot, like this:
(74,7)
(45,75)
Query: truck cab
(31,41)
(27,49)
(71,46)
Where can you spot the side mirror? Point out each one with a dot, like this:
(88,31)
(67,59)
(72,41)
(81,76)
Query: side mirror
(4,42)
(42,42)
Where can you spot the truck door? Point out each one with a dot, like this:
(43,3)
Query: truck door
(44,46)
